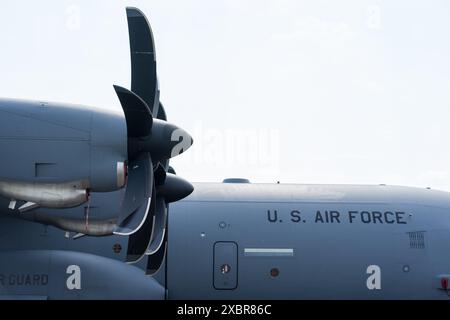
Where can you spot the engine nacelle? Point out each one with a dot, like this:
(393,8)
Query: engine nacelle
(52,154)
(60,275)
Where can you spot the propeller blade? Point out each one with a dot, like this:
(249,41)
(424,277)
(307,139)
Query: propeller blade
(137,114)
(139,242)
(134,222)
(156,260)
(138,191)
(144,80)
(160,175)
(161,115)
(171,170)
(160,227)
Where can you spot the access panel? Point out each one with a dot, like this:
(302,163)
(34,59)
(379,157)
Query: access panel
(225,265)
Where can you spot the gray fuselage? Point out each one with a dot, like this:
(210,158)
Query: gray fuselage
(266,241)
(308,242)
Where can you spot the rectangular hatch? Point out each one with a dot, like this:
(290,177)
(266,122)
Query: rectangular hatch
(225,265)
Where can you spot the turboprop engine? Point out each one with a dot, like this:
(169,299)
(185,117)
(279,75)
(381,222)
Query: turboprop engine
(53,155)
(63,165)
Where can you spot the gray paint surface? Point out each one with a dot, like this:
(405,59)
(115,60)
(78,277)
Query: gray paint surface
(315,259)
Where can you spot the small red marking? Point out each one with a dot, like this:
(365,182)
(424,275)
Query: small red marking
(444,283)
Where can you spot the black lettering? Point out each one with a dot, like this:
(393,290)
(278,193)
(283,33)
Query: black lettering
(36,280)
(295,216)
(386,217)
(400,216)
(377,216)
(275,216)
(2,279)
(351,215)
(334,216)
(319,217)
(365,217)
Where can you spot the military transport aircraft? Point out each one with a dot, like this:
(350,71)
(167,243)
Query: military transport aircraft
(84,214)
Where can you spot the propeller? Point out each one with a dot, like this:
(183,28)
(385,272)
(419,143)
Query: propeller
(149,239)
(170,188)
(152,141)
(156,260)
(150,136)
(150,184)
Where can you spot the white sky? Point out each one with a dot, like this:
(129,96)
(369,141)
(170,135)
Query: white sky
(329,91)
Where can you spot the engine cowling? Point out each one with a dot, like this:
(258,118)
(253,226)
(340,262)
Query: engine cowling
(52,154)
(61,275)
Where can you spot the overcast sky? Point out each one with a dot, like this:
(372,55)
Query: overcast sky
(282,90)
